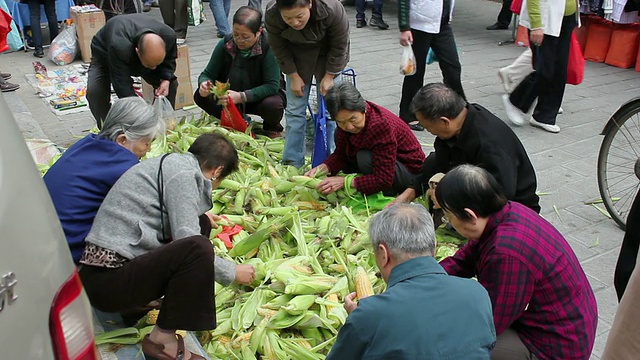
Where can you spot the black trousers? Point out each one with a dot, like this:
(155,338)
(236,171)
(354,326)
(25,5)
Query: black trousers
(181,271)
(34,17)
(444,46)
(270,109)
(402,179)
(549,77)
(504,16)
(174,14)
(99,89)
(629,250)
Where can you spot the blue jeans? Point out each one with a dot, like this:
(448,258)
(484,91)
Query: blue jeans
(361,5)
(220,10)
(296,116)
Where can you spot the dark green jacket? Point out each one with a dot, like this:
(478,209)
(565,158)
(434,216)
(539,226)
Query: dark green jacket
(423,314)
(257,74)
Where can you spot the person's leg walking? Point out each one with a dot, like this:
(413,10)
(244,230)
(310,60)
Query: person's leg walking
(361,19)
(444,46)
(504,16)
(98,91)
(296,121)
(413,83)
(511,75)
(555,79)
(167,10)
(36,31)
(181,20)
(220,16)
(52,18)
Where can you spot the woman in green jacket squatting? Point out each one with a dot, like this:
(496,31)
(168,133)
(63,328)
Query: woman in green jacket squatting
(245,60)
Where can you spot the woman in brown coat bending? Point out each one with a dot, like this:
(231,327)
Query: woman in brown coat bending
(309,38)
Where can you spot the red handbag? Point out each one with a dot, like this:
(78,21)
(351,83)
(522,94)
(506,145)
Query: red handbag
(575,67)
(232,118)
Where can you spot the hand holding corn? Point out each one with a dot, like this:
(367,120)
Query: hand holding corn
(214,219)
(331,184)
(245,274)
(320,169)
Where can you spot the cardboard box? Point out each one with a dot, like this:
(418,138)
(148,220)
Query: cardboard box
(87,25)
(184,96)
(183,69)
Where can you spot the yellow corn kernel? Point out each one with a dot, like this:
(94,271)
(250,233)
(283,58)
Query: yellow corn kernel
(182,333)
(332,297)
(237,342)
(305,343)
(223,340)
(363,285)
(152,317)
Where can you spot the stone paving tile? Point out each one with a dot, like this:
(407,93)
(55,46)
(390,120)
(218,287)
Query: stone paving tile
(565,162)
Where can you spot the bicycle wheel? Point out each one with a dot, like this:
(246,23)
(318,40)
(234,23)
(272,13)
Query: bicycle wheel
(619,164)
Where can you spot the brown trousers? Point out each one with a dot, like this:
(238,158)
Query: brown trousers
(623,342)
(510,347)
(181,271)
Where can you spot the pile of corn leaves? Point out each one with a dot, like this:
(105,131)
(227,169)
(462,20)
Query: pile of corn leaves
(305,247)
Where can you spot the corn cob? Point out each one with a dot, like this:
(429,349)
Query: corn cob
(152,317)
(362,283)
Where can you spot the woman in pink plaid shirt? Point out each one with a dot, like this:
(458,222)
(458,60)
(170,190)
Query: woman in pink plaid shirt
(543,305)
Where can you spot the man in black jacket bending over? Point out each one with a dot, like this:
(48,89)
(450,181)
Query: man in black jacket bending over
(131,45)
(470,134)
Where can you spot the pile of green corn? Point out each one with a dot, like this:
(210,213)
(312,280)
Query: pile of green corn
(305,247)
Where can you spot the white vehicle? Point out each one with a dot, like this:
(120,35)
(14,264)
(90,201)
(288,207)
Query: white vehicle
(44,311)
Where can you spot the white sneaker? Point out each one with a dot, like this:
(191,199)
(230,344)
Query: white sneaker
(506,81)
(547,127)
(513,113)
(180,41)
(560,110)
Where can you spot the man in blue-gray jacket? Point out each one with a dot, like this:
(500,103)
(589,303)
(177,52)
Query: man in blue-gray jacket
(424,313)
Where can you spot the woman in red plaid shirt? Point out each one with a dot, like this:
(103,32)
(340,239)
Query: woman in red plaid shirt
(371,141)
(543,305)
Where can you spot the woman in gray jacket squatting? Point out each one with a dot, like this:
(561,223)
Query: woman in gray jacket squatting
(150,239)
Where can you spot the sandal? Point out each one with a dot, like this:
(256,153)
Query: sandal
(153,351)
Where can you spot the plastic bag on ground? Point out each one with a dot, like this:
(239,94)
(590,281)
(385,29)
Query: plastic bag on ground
(64,47)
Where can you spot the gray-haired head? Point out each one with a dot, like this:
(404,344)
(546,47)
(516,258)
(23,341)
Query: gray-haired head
(406,229)
(437,100)
(344,96)
(134,118)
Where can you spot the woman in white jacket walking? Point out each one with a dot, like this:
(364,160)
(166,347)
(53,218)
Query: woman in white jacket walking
(550,25)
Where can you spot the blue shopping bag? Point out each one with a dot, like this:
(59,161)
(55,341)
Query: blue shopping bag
(320,141)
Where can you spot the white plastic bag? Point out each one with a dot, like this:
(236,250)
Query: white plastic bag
(64,47)
(163,109)
(408,61)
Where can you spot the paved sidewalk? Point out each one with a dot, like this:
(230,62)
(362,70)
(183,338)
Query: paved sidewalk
(565,162)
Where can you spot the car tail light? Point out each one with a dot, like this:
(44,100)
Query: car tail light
(70,323)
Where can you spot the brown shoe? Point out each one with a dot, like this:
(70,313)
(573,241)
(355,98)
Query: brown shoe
(153,351)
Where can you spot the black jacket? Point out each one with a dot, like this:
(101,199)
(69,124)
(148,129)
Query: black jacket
(488,142)
(114,48)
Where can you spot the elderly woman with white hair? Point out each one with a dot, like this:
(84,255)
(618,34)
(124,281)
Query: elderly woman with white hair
(79,181)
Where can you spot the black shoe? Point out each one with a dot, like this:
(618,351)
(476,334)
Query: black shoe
(7,87)
(38,53)
(378,22)
(220,35)
(497,26)
(416,127)
(5,76)
(360,23)
(146,8)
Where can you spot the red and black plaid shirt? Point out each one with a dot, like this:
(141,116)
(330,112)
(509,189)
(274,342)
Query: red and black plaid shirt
(536,284)
(389,138)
